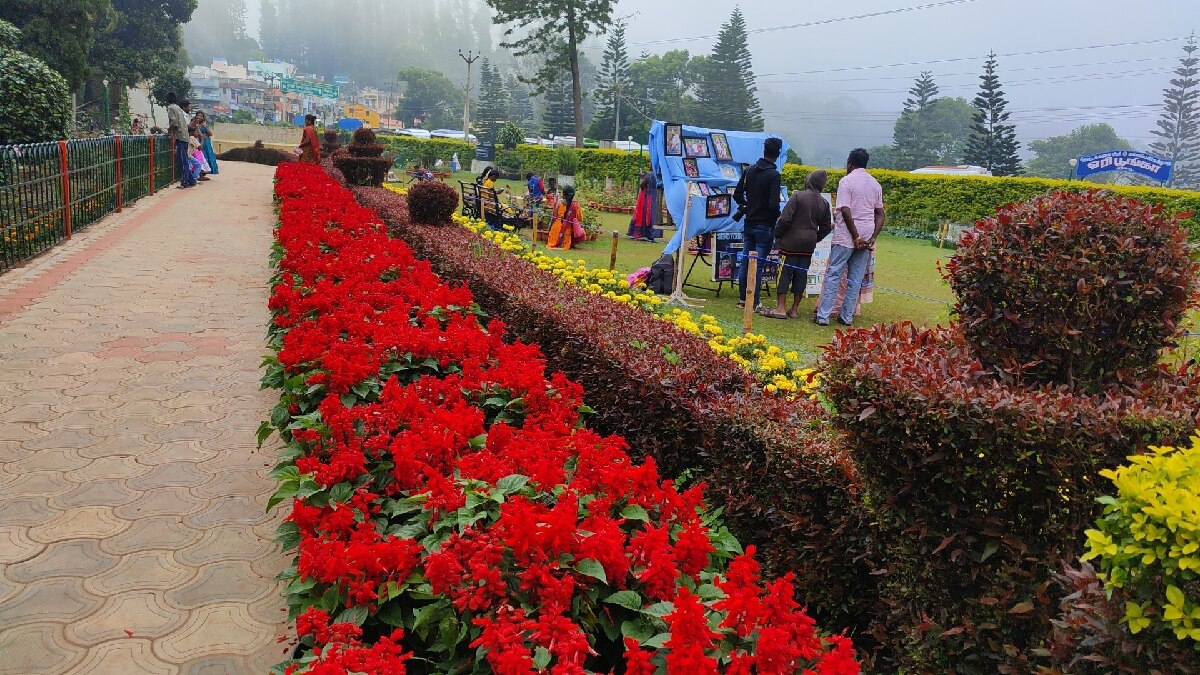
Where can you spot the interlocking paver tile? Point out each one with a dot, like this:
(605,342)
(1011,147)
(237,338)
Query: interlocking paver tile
(123,657)
(215,629)
(133,536)
(77,558)
(143,613)
(142,570)
(90,522)
(34,649)
(166,501)
(226,543)
(95,493)
(49,461)
(227,580)
(54,599)
(15,545)
(108,468)
(179,473)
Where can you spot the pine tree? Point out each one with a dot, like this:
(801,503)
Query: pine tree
(993,143)
(611,84)
(1179,128)
(728,96)
(558,115)
(910,139)
(521,105)
(492,112)
(923,91)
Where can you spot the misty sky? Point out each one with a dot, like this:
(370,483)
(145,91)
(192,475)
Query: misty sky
(1049,93)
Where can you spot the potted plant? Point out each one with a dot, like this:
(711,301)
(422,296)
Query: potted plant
(567,161)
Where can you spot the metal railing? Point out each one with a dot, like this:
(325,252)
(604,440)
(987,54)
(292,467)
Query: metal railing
(50,190)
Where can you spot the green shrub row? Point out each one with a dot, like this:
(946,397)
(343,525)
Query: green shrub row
(594,165)
(913,198)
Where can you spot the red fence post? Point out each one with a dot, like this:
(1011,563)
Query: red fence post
(117,143)
(66,185)
(151,155)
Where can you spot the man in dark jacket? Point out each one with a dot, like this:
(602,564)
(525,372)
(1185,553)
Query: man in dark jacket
(806,220)
(758,194)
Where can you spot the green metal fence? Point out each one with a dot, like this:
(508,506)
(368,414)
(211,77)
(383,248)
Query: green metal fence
(50,190)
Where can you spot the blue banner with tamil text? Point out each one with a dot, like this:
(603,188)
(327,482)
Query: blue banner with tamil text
(1142,163)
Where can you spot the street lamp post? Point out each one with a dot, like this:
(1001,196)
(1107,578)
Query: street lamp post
(470,57)
(107,118)
(1073,162)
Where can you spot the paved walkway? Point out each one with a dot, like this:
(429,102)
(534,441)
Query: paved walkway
(133,537)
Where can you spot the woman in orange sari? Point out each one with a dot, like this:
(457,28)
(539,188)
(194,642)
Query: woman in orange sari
(568,216)
(310,146)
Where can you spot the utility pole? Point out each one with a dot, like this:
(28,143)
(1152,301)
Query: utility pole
(470,57)
(617,107)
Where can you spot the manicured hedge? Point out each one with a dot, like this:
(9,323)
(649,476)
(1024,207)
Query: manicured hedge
(770,463)
(983,487)
(595,165)
(919,199)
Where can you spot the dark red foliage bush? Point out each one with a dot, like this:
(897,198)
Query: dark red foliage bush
(772,465)
(361,162)
(1090,638)
(256,155)
(1073,288)
(981,486)
(432,203)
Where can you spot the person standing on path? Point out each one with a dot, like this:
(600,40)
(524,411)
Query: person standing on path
(206,145)
(860,205)
(805,222)
(178,128)
(758,193)
(310,145)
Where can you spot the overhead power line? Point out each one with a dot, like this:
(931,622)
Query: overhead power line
(1038,52)
(807,24)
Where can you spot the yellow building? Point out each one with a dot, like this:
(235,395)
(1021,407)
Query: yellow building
(367,116)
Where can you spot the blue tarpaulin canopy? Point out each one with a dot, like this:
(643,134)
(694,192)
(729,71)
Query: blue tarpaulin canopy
(349,124)
(745,147)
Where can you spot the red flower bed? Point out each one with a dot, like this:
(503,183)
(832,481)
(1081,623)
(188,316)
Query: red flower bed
(450,511)
(785,485)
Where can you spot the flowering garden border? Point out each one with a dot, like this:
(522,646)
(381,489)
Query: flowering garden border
(784,482)
(449,508)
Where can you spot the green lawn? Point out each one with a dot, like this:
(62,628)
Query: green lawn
(904,268)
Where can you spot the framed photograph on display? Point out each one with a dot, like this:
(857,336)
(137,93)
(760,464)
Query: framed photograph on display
(673,140)
(695,146)
(729,171)
(705,190)
(721,147)
(727,247)
(717,206)
(694,190)
(690,168)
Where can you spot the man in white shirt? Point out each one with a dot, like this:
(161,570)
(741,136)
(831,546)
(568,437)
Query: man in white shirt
(178,119)
(860,205)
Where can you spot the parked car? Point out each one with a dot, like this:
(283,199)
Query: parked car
(453,134)
(628,146)
(960,170)
(415,133)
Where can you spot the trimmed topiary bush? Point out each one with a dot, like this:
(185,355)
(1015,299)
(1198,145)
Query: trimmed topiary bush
(432,203)
(1073,288)
(36,105)
(257,155)
(361,162)
(983,486)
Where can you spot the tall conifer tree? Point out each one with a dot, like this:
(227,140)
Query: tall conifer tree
(923,91)
(612,84)
(1179,127)
(558,116)
(993,142)
(728,95)
(493,103)
(911,136)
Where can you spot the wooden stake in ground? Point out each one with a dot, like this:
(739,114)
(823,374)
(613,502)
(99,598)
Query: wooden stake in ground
(535,231)
(751,277)
(612,257)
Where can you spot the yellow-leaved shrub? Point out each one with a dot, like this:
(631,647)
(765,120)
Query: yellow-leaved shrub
(1147,543)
